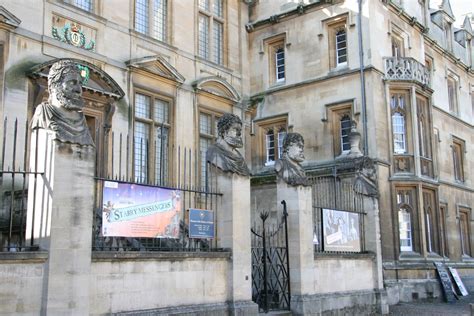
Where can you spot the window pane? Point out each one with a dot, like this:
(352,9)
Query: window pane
(203,49)
(281,137)
(205,126)
(218,8)
(141,143)
(270,145)
(398,126)
(280,64)
(161,111)
(142,106)
(345,129)
(404,222)
(159,19)
(341,44)
(218,30)
(161,154)
(141,16)
(84,4)
(204,5)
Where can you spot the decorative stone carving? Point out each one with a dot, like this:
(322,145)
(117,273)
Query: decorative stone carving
(288,168)
(223,154)
(366,180)
(406,69)
(354,140)
(62,113)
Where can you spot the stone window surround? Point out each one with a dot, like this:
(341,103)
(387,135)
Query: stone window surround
(464,212)
(211,138)
(151,27)
(151,159)
(270,46)
(261,126)
(458,147)
(453,104)
(96,6)
(333,27)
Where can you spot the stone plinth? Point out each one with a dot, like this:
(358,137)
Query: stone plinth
(300,238)
(59,218)
(233,232)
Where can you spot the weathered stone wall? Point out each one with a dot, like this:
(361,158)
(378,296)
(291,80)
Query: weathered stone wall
(21,283)
(125,284)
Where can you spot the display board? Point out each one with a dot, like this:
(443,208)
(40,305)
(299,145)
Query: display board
(446,283)
(201,223)
(132,210)
(458,282)
(341,231)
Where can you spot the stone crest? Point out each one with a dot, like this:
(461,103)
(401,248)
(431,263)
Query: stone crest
(223,154)
(289,168)
(62,113)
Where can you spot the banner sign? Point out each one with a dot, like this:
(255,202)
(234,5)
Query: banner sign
(201,223)
(446,283)
(458,281)
(341,231)
(132,210)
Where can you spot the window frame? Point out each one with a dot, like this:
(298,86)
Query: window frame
(279,136)
(458,150)
(93,5)
(403,110)
(453,100)
(337,112)
(333,28)
(464,216)
(406,198)
(444,249)
(150,29)
(209,137)
(152,125)
(210,44)
(273,45)
(432,230)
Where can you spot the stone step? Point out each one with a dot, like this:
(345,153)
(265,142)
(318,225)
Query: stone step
(279,313)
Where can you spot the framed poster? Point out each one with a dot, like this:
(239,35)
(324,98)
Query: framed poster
(201,223)
(341,231)
(131,210)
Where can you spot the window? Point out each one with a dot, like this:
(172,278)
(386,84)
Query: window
(87,5)
(151,139)
(338,44)
(341,124)
(406,218)
(431,227)
(276,59)
(465,231)
(443,236)
(151,18)
(448,36)
(211,30)
(274,137)
(345,129)
(424,135)
(399,109)
(397,46)
(452,95)
(207,137)
(280,64)
(458,159)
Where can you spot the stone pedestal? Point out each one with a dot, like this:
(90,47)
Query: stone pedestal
(59,218)
(233,231)
(300,238)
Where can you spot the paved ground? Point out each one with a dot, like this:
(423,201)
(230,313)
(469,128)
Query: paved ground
(434,308)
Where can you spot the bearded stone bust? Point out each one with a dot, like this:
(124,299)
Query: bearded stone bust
(288,168)
(223,154)
(62,113)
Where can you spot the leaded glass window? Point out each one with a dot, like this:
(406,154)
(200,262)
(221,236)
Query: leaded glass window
(211,30)
(151,18)
(280,64)
(151,139)
(341,47)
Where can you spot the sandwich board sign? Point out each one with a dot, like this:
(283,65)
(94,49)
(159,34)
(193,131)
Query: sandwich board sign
(458,281)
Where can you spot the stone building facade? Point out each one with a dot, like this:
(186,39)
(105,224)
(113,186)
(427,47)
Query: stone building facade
(397,73)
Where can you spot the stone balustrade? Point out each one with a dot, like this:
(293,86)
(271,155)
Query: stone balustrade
(406,69)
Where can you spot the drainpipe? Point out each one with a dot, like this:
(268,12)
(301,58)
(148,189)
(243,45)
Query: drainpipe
(362,79)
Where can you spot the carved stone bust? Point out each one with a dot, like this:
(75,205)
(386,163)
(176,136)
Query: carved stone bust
(62,113)
(223,154)
(288,168)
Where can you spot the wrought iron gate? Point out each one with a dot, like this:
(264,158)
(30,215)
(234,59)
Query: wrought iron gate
(270,264)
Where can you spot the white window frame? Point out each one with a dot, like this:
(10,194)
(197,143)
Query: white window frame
(404,228)
(280,62)
(338,49)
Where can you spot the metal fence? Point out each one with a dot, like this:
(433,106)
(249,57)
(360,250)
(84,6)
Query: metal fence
(179,169)
(15,185)
(338,215)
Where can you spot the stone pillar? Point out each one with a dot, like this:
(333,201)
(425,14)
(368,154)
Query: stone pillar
(300,238)
(233,231)
(59,218)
